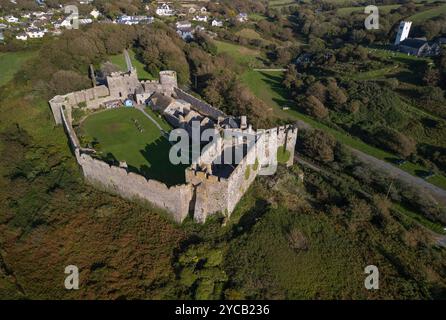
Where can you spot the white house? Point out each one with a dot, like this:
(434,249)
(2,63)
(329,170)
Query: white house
(183,24)
(12,19)
(85,21)
(35,33)
(201,18)
(217,23)
(185,33)
(22,37)
(242,17)
(95,13)
(164,10)
(131,20)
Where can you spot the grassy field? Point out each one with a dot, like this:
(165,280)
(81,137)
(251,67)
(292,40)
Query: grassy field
(119,60)
(428,14)
(146,152)
(435,227)
(241,54)
(248,34)
(10,63)
(268,87)
(350,10)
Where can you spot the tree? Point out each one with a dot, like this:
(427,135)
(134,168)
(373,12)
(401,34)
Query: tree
(395,142)
(317,145)
(315,108)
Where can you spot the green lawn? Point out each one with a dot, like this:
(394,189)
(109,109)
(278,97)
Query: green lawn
(146,152)
(242,55)
(350,10)
(268,87)
(119,60)
(10,63)
(428,14)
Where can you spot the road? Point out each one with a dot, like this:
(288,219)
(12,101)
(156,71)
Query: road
(128,61)
(439,239)
(437,193)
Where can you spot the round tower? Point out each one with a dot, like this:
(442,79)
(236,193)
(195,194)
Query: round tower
(168,81)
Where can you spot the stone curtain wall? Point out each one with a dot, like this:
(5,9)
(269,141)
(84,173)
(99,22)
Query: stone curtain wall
(214,194)
(200,106)
(92,97)
(130,185)
(175,200)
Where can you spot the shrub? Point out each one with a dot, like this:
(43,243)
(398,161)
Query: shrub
(283,155)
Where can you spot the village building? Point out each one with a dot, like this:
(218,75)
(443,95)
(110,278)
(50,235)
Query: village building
(183,24)
(216,23)
(242,17)
(164,10)
(419,47)
(21,36)
(95,13)
(35,33)
(200,18)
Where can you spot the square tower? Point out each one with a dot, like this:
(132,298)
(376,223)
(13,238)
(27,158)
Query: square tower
(403,31)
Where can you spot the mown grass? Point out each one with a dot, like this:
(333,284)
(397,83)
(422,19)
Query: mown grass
(10,63)
(120,138)
(119,60)
(268,87)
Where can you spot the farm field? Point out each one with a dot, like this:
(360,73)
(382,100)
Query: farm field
(428,14)
(242,55)
(350,10)
(119,60)
(268,87)
(118,134)
(10,63)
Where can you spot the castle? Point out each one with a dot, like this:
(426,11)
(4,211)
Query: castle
(211,186)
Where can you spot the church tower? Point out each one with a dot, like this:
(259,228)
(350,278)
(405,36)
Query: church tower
(403,31)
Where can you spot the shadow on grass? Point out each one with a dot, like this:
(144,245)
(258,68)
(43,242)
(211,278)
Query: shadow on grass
(161,169)
(249,219)
(275,83)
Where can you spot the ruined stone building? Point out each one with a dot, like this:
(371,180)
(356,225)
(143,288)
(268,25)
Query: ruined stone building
(212,185)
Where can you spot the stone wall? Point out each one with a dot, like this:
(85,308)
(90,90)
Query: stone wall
(215,194)
(201,106)
(93,98)
(175,199)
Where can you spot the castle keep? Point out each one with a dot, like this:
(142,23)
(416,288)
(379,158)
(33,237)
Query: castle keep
(212,185)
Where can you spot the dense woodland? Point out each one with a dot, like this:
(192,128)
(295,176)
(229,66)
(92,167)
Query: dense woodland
(288,238)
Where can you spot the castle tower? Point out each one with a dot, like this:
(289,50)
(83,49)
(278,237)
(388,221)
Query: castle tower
(403,31)
(168,81)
